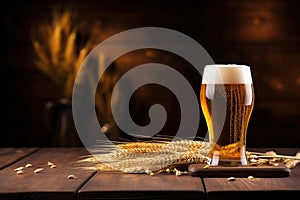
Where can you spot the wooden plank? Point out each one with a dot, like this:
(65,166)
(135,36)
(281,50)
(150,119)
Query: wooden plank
(244,188)
(11,155)
(199,170)
(51,183)
(142,186)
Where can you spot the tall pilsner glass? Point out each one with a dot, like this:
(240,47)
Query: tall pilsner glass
(227,100)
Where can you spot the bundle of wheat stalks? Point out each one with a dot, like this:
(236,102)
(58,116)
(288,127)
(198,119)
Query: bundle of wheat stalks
(167,156)
(148,157)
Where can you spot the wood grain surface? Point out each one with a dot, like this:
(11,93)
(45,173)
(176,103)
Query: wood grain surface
(240,171)
(142,186)
(10,155)
(51,183)
(257,188)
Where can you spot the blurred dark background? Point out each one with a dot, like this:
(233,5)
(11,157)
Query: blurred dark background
(264,34)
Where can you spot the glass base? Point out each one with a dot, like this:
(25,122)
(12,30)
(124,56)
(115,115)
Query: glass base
(227,163)
(217,161)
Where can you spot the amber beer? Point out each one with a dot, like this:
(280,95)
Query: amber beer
(227,100)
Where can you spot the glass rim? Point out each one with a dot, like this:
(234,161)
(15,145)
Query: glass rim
(227,65)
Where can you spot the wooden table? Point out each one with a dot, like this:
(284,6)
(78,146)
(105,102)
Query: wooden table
(53,183)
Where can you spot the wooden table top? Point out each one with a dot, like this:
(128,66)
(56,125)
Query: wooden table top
(53,183)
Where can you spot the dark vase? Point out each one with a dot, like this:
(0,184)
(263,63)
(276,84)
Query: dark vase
(59,124)
(62,132)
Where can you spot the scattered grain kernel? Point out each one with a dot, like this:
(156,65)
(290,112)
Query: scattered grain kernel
(253,156)
(231,179)
(72,176)
(178,173)
(151,174)
(270,153)
(28,165)
(53,166)
(250,177)
(168,170)
(19,168)
(50,164)
(206,166)
(38,170)
(19,172)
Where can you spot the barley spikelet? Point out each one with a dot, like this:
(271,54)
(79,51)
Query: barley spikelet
(133,149)
(193,156)
(43,60)
(55,44)
(70,51)
(82,54)
(137,145)
(64,19)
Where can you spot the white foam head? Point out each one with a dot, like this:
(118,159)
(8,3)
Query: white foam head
(227,74)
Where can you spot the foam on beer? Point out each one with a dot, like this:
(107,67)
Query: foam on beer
(227,74)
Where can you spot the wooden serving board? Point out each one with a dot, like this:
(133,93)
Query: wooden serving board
(241,171)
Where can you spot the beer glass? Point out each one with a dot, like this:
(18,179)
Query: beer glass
(227,100)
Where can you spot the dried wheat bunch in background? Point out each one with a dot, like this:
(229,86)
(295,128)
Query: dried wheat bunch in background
(57,52)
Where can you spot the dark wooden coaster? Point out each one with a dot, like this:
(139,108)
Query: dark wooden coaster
(241,171)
